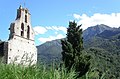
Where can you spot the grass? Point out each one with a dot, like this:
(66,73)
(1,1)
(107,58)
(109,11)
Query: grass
(12,71)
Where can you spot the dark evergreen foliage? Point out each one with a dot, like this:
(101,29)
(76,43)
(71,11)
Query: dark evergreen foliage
(72,50)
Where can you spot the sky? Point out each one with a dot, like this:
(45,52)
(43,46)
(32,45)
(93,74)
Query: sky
(50,18)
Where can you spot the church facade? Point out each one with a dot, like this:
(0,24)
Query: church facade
(20,47)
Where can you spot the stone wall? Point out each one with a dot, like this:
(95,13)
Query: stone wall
(3,52)
(20,48)
(21,51)
(1,49)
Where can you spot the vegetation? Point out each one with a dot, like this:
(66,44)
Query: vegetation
(102,46)
(49,52)
(72,50)
(106,57)
(12,71)
(34,72)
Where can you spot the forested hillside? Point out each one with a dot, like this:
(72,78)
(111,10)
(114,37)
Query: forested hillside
(101,42)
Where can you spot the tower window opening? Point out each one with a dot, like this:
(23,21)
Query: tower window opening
(26,11)
(13,28)
(18,14)
(26,18)
(22,29)
(28,32)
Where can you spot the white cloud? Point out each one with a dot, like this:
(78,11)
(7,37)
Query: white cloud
(40,30)
(46,31)
(50,38)
(56,33)
(57,28)
(112,19)
(76,16)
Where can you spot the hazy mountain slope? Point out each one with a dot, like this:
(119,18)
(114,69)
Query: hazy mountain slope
(49,51)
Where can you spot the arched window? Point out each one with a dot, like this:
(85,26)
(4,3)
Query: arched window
(18,14)
(28,32)
(26,18)
(22,29)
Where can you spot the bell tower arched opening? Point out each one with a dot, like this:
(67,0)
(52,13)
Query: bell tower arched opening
(22,29)
(26,18)
(28,32)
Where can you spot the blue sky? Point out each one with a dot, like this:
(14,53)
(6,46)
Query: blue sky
(50,18)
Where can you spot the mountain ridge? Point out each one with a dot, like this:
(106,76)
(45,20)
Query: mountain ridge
(101,42)
(95,31)
(90,35)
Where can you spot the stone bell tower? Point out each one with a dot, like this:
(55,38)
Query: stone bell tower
(21,45)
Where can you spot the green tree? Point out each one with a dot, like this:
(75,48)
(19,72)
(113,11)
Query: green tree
(72,48)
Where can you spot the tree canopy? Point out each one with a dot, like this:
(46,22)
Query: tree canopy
(73,48)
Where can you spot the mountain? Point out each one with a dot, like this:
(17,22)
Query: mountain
(110,33)
(95,30)
(50,51)
(99,36)
(101,42)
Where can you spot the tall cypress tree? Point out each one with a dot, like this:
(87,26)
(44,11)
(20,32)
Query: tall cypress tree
(72,48)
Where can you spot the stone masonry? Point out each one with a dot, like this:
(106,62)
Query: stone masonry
(20,48)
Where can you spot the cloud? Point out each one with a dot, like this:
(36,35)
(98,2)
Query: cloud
(58,31)
(57,28)
(76,16)
(112,19)
(50,38)
(40,30)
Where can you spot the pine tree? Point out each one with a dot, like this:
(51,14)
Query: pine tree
(72,48)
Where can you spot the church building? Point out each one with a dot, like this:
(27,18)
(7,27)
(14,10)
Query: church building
(20,47)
